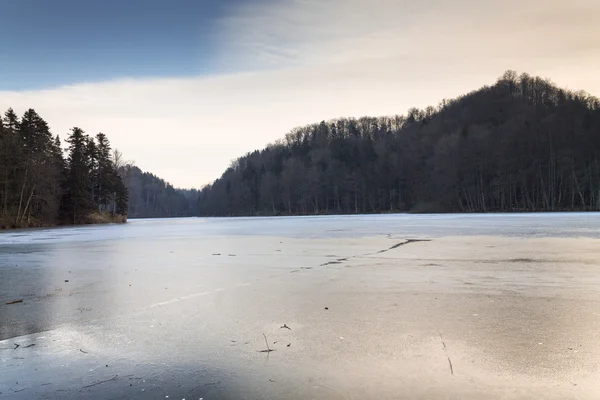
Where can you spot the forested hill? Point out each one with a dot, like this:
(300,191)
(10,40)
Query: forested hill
(522,144)
(152,197)
(39,185)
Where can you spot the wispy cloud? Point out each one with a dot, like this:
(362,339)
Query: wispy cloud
(320,59)
(305,32)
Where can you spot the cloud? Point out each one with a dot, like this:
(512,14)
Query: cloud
(308,32)
(315,60)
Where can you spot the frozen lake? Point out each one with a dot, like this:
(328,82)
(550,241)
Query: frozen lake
(380,306)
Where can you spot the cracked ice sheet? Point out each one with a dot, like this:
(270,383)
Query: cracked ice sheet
(518,316)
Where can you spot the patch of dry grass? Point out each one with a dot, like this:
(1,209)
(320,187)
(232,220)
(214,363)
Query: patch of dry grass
(105,218)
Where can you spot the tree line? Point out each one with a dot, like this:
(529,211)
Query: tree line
(522,144)
(39,186)
(152,197)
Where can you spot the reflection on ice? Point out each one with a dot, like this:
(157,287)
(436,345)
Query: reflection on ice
(478,306)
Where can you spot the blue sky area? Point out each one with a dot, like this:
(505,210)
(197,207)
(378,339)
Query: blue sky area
(49,43)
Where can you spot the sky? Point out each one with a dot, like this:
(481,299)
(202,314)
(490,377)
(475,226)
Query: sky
(183,87)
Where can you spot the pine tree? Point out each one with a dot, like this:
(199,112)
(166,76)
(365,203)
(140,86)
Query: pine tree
(78,201)
(121,196)
(106,178)
(10,163)
(55,182)
(4,167)
(91,155)
(35,194)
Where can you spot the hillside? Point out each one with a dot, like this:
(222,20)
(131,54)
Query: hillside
(522,144)
(152,197)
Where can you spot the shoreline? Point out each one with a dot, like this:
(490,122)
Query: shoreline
(92,219)
(512,212)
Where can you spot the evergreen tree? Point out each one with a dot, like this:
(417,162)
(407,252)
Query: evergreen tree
(78,197)
(39,169)
(121,196)
(91,156)
(107,178)
(10,165)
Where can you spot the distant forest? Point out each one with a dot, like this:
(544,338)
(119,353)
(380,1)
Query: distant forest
(39,186)
(522,144)
(152,197)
